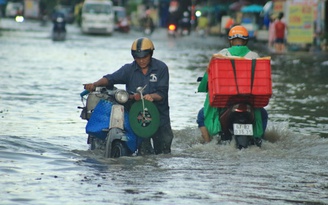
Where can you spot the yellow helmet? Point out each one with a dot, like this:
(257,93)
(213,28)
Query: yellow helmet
(238,32)
(141,47)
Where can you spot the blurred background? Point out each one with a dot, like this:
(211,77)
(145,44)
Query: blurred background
(305,17)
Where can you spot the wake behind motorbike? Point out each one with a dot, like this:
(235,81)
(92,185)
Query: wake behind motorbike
(117,125)
(240,87)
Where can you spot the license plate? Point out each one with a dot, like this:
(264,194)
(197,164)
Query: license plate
(243,129)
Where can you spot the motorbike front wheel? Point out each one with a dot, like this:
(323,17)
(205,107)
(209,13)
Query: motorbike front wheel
(117,149)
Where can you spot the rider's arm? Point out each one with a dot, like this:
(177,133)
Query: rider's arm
(101,82)
(92,86)
(203,87)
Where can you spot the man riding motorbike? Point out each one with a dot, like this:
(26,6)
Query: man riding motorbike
(208,118)
(59,22)
(152,74)
(184,23)
(147,23)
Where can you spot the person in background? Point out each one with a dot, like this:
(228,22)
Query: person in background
(208,116)
(78,12)
(149,71)
(147,22)
(59,20)
(266,21)
(202,25)
(280,30)
(184,22)
(43,13)
(272,36)
(230,22)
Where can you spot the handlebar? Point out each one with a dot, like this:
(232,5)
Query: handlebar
(85,92)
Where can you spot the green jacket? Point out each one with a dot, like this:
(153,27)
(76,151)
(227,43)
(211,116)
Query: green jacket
(212,114)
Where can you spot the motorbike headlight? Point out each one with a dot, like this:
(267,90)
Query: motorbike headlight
(121,96)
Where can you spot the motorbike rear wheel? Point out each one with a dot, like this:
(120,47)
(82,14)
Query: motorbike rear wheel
(95,143)
(242,141)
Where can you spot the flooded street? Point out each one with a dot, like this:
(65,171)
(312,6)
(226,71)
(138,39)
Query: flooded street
(44,158)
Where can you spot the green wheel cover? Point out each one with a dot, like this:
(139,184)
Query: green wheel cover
(144,128)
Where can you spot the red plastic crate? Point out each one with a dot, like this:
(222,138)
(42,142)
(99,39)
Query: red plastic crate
(228,85)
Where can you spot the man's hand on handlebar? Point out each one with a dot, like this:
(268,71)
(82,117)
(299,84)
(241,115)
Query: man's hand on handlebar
(89,86)
(148,97)
(137,97)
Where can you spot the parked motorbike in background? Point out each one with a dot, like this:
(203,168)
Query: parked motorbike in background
(116,124)
(122,25)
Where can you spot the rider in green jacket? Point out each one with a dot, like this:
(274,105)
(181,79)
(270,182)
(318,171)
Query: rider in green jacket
(208,117)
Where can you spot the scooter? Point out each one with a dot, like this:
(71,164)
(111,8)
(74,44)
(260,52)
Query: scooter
(237,124)
(201,32)
(59,29)
(240,88)
(147,30)
(172,30)
(122,25)
(185,31)
(185,25)
(147,26)
(116,124)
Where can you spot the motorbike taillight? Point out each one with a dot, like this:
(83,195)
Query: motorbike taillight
(242,108)
(172,27)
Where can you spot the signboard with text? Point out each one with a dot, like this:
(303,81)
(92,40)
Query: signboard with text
(300,24)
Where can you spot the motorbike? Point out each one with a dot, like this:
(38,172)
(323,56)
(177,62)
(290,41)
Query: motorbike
(59,29)
(147,26)
(240,88)
(172,30)
(122,25)
(201,32)
(116,124)
(185,25)
(237,124)
(184,31)
(43,17)
(147,30)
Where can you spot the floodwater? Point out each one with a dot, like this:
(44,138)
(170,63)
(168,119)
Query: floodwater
(44,158)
